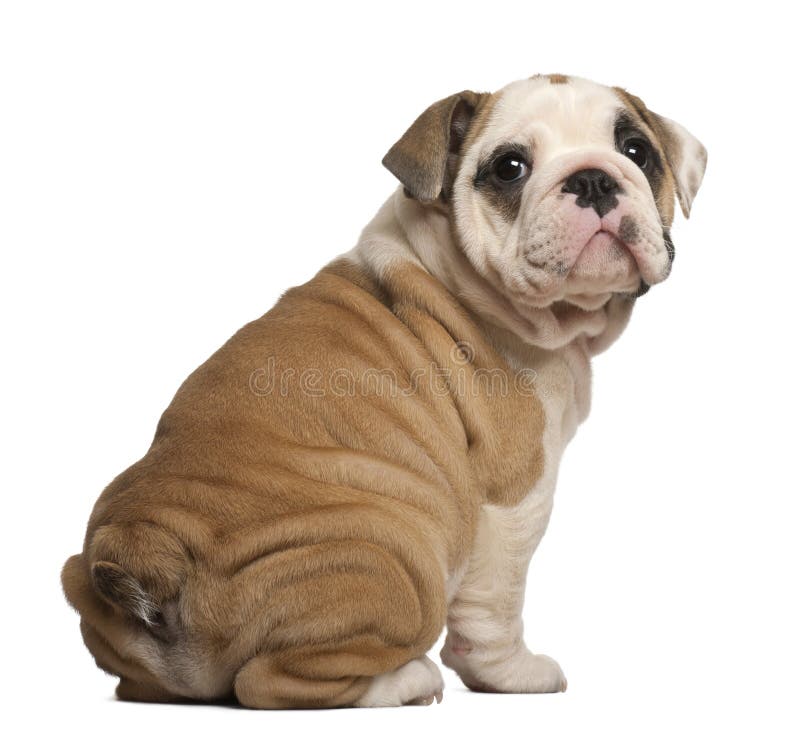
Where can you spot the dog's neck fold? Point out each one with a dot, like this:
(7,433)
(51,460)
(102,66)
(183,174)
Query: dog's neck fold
(406,230)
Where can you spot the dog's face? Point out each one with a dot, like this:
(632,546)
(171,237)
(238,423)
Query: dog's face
(557,189)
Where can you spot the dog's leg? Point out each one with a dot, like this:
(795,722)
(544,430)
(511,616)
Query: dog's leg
(268,682)
(345,623)
(484,642)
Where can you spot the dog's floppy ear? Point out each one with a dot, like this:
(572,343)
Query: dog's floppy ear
(425,156)
(686,156)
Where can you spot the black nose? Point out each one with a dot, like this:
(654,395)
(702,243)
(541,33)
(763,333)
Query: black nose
(594,188)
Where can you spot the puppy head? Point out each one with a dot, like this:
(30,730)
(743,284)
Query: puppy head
(558,189)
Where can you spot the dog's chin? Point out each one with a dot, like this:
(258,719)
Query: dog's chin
(588,302)
(604,267)
(604,258)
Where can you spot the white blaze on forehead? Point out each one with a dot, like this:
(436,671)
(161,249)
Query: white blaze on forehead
(554,118)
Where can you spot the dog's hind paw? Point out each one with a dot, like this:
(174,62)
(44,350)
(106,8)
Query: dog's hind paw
(417,682)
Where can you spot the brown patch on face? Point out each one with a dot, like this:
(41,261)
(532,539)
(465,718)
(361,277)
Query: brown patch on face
(504,196)
(507,204)
(665,190)
(628,229)
(554,78)
(480,120)
(483,111)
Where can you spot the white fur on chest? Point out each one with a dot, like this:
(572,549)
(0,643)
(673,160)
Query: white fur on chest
(510,534)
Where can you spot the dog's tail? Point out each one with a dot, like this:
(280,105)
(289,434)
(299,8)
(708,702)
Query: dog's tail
(122,590)
(126,586)
(135,567)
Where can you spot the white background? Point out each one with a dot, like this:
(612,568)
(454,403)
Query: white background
(167,169)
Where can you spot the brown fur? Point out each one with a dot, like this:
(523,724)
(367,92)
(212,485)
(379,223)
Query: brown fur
(667,147)
(553,78)
(425,158)
(296,545)
(481,118)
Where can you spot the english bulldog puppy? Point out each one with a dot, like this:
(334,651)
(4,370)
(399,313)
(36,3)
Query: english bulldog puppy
(375,458)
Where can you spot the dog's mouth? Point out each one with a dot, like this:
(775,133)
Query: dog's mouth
(605,256)
(591,257)
(603,246)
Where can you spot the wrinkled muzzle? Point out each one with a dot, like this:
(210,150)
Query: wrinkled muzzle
(589,225)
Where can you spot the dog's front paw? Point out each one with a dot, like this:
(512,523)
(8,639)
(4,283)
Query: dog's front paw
(525,673)
(484,669)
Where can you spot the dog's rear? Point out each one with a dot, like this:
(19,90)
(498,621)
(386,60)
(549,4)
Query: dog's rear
(126,586)
(258,553)
(279,630)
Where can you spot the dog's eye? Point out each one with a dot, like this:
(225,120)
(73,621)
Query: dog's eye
(510,168)
(637,151)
